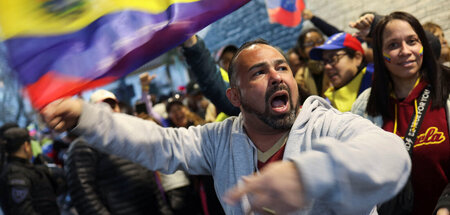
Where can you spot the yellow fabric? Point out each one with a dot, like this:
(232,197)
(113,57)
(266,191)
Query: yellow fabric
(221,117)
(343,98)
(28,18)
(36,148)
(210,115)
(224,75)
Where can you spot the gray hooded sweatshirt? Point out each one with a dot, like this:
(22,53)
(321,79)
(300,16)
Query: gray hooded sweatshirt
(347,165)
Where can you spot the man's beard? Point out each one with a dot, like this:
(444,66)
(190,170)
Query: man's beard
(279,122)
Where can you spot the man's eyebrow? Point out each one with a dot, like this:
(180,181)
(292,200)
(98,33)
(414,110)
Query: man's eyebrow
(262,64)
(279,61)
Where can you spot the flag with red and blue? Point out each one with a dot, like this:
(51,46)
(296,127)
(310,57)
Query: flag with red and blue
(62,47)
(285,12)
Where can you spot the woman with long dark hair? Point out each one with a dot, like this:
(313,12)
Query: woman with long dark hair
(410,97)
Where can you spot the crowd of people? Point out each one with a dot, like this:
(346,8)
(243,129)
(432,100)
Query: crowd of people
(352,124)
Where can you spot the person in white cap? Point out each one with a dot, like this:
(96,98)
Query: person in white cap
(107,97)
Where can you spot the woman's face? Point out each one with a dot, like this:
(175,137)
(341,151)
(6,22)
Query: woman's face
(339,67)
(177,115)
(312,39)
(294,62)
(445,49)
(225,60)
(402,50)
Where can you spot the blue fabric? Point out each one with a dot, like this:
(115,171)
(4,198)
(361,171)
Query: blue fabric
(366,81)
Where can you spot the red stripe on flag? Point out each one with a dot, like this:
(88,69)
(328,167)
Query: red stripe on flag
(53,85)
(285,17)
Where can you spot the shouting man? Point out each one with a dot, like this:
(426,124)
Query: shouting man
(274,158)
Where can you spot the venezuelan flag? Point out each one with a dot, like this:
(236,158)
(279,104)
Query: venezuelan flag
(285,12)
(387,57)
(62,47)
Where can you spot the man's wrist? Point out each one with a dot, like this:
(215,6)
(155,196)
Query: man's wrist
(190,42)
(145,88)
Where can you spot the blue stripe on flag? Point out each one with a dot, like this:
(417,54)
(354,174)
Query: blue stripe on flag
(289,5)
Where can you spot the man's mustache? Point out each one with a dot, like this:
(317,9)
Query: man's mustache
(277,88)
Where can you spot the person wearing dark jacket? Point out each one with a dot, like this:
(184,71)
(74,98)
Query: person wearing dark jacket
(100,183)
(321,24)
(210,78)
(3,128)
(25,188)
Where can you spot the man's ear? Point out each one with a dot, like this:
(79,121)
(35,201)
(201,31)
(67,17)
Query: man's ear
(233,97)
(27,147)
(359,57)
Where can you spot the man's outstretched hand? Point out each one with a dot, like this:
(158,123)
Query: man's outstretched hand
(62,114)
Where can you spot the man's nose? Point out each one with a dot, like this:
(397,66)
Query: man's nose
(275,77)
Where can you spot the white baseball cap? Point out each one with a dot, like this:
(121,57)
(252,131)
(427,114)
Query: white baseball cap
(101,95)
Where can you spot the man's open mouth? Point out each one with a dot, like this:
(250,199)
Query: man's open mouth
(279,101)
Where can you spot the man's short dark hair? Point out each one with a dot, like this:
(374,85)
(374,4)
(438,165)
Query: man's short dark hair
(15,138)
(231,70)
(229,48)
(7,126)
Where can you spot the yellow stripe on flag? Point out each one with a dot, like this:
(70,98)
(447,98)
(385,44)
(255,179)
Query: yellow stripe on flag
(50,17)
